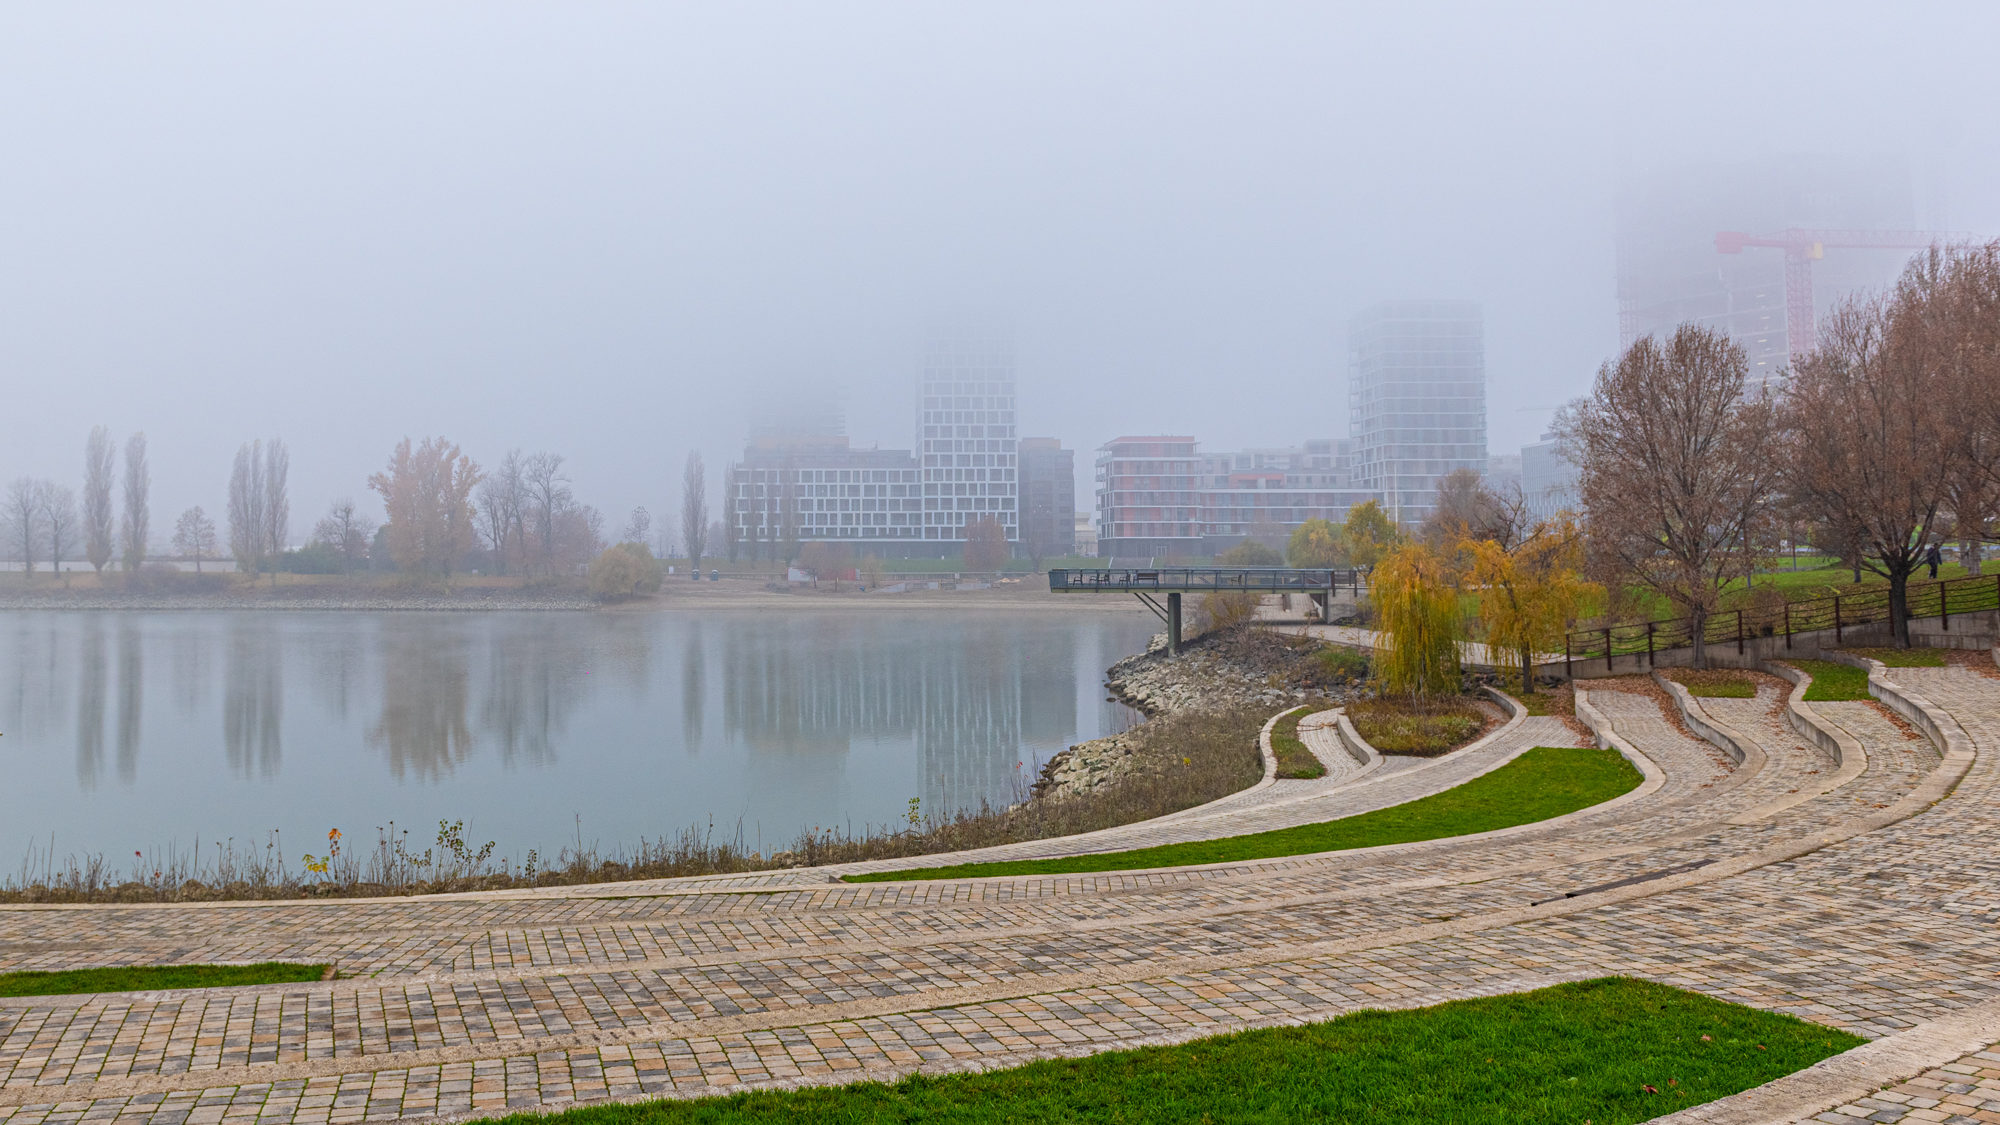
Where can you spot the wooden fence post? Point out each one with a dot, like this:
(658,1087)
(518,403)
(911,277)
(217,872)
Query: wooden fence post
(1836,619)
(1788,626)
(1649,644)
(1739,632)
(1607,652)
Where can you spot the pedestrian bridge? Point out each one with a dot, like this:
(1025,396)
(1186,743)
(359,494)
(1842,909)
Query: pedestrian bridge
(1323,585)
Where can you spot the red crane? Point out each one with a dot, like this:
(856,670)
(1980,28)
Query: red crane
(1802,248)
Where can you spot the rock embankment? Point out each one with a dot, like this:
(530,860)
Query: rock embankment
(1242,667)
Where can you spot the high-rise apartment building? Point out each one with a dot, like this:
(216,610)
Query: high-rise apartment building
(1160,497)
(1048,496)
(1670,271)
(966,436)
(1548,479)
(1416,400)
(1148,498)
(790,489)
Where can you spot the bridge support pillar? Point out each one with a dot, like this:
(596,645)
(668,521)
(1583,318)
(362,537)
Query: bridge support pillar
(1174,624)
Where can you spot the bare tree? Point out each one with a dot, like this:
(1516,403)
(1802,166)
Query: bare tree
(347,531)
(194,536)
(548,498)
(638,526)
(277,525)
(246,507)
(1875,424)
(502,504)
(58,521)
(136,527)
(1676,467)
(97,518)
(24,522)
(694,510)
(1467,508)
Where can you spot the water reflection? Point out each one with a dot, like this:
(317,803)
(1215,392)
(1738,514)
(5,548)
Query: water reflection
(253,697)
(529,719)
(91,692)
(131,699)
(425,690)
(536,678)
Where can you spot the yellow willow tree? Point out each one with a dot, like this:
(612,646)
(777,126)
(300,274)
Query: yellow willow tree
(1416,610)
(1528,595)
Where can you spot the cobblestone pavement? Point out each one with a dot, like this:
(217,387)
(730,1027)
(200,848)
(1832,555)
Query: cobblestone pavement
(1871,907)
(1965,1091)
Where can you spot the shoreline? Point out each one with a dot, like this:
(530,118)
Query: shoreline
(725,596)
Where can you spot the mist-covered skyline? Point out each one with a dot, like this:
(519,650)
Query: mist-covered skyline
(608,231)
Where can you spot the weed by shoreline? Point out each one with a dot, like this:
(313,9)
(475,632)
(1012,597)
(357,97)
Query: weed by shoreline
(1184,759)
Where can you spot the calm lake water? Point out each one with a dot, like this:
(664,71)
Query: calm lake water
(135,730)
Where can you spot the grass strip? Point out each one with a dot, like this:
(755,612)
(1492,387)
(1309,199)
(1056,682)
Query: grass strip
(1544,782)
(1294,760)
(153,978)
(1731,688)
(1833,683)
(1902,657)
(1610,1051)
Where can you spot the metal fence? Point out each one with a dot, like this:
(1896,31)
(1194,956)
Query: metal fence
(1740,626)
(1202,579)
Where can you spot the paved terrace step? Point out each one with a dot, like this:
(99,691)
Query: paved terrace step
(517,1000)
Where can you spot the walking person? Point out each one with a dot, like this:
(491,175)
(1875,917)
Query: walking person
(1932,558)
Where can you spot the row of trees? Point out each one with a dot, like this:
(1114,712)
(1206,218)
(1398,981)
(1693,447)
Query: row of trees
(1877,446)
(43,518)
(444,511)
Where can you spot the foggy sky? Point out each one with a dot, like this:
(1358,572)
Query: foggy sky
(600,229)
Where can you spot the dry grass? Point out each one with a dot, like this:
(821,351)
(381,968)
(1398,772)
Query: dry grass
(1184,759)
(1425,729)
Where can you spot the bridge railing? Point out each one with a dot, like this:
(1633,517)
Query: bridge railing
(1836,612)
(1200,579)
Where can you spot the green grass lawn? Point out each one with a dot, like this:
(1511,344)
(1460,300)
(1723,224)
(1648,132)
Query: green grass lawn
(150,978)
(1544,782)
(1607,1051)
(1833,683)
(1903,657)
(1294,760)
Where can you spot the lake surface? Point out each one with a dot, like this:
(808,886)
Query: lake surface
(122,731)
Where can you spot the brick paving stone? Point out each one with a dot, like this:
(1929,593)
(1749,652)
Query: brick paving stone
(485,1003)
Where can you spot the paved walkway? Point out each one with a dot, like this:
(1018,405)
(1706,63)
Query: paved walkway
(1870,906)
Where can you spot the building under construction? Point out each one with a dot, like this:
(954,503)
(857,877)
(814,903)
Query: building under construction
(1759,249)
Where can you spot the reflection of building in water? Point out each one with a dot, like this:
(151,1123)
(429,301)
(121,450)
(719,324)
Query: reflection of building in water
(961,699)
(425,690)
(131,699)
(253,697)
(91,675)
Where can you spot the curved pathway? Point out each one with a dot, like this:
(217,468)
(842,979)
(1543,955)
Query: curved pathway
(1871,905)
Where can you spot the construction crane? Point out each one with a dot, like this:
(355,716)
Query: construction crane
(1804,247)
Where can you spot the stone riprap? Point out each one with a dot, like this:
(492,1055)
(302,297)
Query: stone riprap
(1871,905)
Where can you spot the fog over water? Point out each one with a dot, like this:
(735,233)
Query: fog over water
(608,230)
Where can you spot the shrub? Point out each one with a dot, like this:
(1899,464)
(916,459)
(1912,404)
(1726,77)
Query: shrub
(1343,665)
(1223,610)
(625,570)
(1250,553)
(1426,729)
